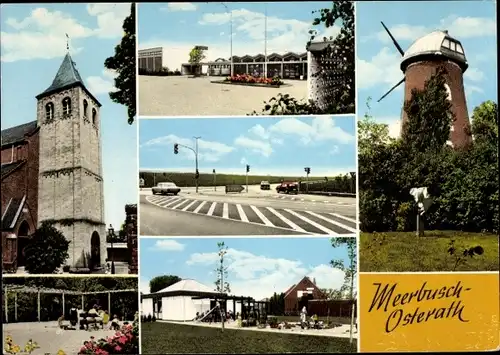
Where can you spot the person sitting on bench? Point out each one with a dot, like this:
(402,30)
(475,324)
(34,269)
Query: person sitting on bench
(93,318)
(115,323)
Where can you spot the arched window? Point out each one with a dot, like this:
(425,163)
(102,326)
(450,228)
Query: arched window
(49,111)
(85,107)
(66,106)
(94,116)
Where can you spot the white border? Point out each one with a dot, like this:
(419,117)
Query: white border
(193,117)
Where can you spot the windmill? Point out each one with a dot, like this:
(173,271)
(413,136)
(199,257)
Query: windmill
(421,60)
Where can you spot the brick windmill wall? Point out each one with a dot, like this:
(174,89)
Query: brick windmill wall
(416,76)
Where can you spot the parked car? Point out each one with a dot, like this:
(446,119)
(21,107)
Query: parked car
(164,188)
(265,185)
(288,187)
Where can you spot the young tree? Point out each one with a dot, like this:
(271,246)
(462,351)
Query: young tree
(123,63)
(160,282)
(429,116)
(221,284)
(47,250)
(371,134)
(196,55)
(350,270)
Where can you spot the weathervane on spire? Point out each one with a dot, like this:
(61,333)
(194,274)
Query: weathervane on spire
(67,42)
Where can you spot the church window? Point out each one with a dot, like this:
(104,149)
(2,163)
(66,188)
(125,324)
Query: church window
(49,111)
(94,116)
(66,106)
(85,107)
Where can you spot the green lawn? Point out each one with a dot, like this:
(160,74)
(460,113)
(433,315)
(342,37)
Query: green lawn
(162,338)
(404,252)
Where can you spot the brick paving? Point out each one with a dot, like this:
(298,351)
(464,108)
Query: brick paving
(185,96)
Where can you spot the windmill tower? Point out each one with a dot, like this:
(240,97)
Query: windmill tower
(421,60)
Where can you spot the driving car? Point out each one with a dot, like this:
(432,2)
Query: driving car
(164,188)
(288,187)
(265,185)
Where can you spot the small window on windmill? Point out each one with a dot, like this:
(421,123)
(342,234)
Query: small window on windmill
(460,49)
(446,43)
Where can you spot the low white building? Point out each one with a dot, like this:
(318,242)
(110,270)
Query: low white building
(180,301)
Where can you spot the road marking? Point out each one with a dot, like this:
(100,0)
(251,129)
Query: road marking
(293,198)
(313,200)
(163,202)
(326,201)
(225,210)
(262,217)
(172,202)
(312,223)
(189,205)
(352,230)
(242,214)
(179,204)
(286,220)
(344,218)
(211,209)
(302,199)
(197,209)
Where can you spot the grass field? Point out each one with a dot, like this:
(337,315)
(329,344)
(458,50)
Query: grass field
(404,252)
(162,338)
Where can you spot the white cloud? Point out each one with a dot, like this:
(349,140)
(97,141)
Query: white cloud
(102,84)
(254,146)
(41,35)
(383,68)
(394,125)
(283,35)
(180,6)
(168,245)
(471,89)
(208,151)
(474,74)
(260,276)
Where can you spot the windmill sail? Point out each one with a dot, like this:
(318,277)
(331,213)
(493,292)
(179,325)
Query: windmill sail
(392,89)
(400,50)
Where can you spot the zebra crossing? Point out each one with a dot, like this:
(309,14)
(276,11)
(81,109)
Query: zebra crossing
(298,198)
(306,222)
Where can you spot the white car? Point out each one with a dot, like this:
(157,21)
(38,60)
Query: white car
(164,188)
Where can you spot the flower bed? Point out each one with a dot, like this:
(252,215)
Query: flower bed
(124,341)
(249,79)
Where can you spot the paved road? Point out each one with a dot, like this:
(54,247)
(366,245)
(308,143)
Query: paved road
(184,96)
(193,215)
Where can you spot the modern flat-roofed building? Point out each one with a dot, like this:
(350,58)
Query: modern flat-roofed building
(151,59)
(287,66)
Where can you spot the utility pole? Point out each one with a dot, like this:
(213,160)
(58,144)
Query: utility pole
(265,40)
(307,170)
(195,151)
(231,37)
(197,174)
(215,180)
(246,176)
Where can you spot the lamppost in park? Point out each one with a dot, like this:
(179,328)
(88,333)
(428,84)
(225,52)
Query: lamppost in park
(111,233)
(230,37)
(195,151)
(308,171)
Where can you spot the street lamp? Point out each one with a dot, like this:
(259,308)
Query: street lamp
(230,36)
(111,233)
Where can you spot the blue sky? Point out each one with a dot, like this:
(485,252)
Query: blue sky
(257,267)
(271,146)
(179,26)
(33,47)
(473,23)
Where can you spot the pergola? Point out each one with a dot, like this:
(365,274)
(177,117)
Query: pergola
(40,290)
(247,302)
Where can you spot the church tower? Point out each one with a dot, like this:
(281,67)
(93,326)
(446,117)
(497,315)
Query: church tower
(70,183)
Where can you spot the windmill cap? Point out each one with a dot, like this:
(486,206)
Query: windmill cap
(437,45)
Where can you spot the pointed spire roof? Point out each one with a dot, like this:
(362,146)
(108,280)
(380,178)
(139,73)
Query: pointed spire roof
(67,76)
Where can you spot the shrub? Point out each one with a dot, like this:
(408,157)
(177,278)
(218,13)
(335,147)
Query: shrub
(66,268)
(125,341)
(47,251)
(250,79)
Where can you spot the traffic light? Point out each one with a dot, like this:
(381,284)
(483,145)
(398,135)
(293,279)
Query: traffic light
(307,170)
(197,174)
(176,148)
(248,168)
(213,171)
